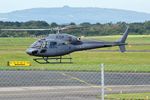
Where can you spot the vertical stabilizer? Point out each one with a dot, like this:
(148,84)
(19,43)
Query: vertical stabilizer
(125,35)
(122,40)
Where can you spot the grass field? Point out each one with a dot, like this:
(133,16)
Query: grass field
(132,96)
(131,39)
(14,49)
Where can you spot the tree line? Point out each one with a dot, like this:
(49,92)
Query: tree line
(87,29)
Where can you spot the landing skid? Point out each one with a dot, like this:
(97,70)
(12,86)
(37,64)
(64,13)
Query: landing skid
(58,60)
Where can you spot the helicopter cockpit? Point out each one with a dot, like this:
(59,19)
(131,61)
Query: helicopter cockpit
(39,44)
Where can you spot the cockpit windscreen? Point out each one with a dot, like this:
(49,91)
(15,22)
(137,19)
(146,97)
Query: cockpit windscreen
(39,44)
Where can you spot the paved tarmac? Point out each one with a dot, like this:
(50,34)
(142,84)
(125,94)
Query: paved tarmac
(62,78)
(65,93)
(62,85)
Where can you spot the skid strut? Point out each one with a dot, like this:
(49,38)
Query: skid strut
(45,60)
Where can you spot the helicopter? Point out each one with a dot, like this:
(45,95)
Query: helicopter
(57,45)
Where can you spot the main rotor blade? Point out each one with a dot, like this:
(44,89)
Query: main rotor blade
(50,29)
(72,27)
(25,29)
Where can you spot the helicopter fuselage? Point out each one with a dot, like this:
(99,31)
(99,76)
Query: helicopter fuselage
(63,44)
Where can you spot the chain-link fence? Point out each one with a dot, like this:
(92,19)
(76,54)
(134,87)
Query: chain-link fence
(121,82)
(50,85)
(127,82)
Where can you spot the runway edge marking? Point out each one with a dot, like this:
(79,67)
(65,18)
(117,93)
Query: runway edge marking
(83,81)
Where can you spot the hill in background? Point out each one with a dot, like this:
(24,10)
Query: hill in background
(78,15)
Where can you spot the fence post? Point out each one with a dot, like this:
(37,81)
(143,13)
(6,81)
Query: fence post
(102,81)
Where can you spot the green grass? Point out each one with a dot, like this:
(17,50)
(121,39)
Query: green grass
(17,41)
(14,49)
(131,39)
(85,61)
(131,96)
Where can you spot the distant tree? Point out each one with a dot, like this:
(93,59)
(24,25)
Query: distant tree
(89,30)
(98,24)
(85,24)
(36,24)
(147,25)
(54,24)
(72,23)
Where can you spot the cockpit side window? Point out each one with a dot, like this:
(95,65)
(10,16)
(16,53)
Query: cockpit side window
(37,44)
(44,44)
(52,44)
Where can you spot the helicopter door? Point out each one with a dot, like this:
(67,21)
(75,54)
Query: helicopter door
(52,47)
(52,44)
(64,47)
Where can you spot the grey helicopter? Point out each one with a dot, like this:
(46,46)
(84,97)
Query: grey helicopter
(57,45)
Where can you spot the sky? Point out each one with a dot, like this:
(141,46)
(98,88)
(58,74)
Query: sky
(134,5)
